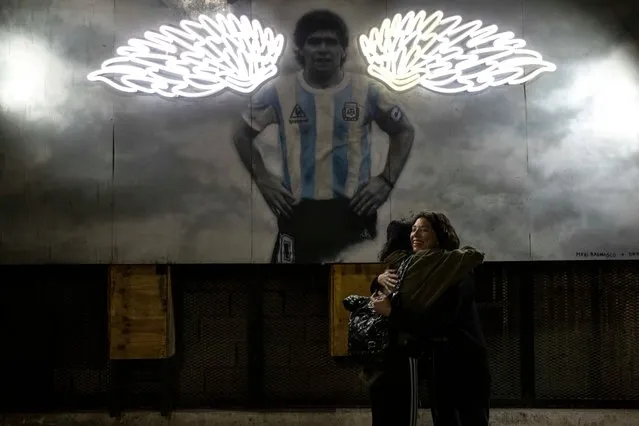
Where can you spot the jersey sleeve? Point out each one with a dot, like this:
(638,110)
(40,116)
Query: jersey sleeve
(262,110)
(383,108)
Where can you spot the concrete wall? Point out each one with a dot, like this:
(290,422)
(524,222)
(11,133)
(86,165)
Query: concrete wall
(89,174)
(513,417)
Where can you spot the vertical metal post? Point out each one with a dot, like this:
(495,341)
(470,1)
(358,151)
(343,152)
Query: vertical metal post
(526,292)
(255,335)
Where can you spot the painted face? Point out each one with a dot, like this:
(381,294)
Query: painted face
(422,236)
(323,52)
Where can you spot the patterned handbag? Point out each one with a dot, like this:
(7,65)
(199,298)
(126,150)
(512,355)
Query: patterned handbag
(368,330)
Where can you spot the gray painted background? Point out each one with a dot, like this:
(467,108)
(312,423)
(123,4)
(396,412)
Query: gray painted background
(89,175)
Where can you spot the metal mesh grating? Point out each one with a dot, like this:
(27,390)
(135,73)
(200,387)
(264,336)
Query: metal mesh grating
(87,381)
(54,338)
(496,296)
(80,351)
(586,325)
(140,384)
(500,317)
(619,331)
(80,309)
(53,330)
(211,321)
(298,368)
(27,327)
(312,377)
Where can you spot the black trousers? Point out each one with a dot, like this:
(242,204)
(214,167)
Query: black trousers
(394,396)
(319,230)
(458,384)
(459,387)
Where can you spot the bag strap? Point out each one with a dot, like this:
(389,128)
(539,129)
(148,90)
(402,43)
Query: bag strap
(401,271)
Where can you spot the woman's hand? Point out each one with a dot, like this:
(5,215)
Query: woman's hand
(381,304)
(388,280)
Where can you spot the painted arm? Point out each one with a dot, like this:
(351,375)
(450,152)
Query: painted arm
(391,120)
(401,136)
(259,115)
(244,139)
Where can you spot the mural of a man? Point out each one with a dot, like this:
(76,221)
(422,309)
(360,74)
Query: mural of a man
(327,199)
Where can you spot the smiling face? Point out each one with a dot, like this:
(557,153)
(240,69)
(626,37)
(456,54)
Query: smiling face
(422,236)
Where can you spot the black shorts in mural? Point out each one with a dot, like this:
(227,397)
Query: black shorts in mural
(318,230)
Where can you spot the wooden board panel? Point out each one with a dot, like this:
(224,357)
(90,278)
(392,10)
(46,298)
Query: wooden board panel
(140,313)
(347,279)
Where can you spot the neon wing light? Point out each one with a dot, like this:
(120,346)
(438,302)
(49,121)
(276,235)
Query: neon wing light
(196,59)
(444,55)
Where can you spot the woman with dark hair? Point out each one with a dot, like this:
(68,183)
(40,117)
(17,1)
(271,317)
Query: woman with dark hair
(439,322)
(397,239)
(368,332)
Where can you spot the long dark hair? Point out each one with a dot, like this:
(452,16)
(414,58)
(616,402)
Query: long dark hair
(443,229)
(397,238)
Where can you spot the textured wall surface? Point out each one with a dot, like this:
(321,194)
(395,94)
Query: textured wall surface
(545,170)
(340,417)
(258,336)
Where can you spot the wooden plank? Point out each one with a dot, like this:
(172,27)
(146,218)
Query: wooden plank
(140,313)
(347,279)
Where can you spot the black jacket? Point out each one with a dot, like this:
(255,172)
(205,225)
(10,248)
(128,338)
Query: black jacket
(453,318)
(450,338)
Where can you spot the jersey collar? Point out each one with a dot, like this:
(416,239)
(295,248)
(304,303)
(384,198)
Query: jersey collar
(341,85)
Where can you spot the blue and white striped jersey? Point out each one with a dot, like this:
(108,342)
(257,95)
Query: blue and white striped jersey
(324,134)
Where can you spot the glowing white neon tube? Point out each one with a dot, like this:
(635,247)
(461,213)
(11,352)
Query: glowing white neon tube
(447,56)
(196,59)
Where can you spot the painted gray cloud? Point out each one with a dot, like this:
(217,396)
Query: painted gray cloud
(584,161)
(555,161)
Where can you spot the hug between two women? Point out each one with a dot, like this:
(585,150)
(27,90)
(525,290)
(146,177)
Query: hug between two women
(423,276)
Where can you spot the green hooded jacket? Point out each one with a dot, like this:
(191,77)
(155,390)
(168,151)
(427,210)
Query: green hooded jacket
(429,273)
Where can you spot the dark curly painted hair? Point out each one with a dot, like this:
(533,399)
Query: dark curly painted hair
(319,20)
(397,238)
(443,229)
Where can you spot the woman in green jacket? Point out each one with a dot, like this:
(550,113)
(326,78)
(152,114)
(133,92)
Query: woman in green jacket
(437,323)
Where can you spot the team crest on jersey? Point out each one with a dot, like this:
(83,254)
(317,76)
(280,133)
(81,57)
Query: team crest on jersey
(396,114)
(297,115)
(350,112)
